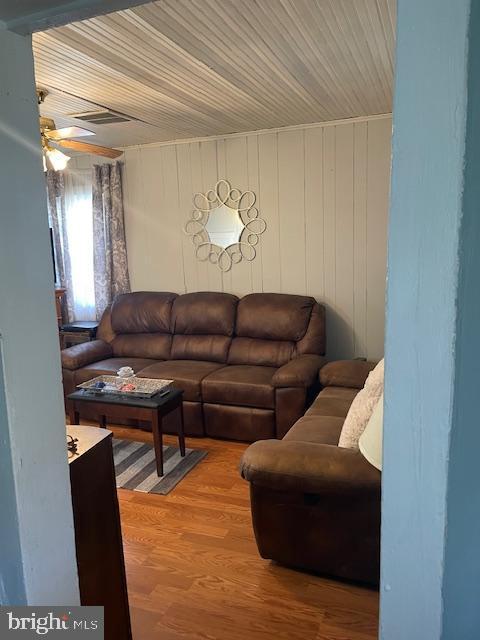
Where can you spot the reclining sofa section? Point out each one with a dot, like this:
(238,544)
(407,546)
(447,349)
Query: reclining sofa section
(248,367)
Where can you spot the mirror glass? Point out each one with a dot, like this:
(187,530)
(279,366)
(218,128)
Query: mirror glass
(224,226)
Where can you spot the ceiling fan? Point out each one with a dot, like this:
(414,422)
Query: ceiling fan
(52,138)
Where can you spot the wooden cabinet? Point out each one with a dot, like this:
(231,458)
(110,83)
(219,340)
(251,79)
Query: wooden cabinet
(98,535)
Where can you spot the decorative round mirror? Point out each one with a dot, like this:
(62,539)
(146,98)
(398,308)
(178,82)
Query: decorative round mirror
(225,225)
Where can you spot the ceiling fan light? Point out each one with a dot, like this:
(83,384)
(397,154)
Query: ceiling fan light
(57,159)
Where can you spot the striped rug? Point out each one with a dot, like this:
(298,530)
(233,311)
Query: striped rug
(135,467)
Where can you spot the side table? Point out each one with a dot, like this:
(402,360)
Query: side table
(77,332)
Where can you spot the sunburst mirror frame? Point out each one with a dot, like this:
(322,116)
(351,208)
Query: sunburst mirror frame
(252,226)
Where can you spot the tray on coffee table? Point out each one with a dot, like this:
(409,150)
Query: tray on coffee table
(144,387)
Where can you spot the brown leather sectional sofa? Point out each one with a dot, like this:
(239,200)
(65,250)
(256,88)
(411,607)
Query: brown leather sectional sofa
(316,506)
(248,366)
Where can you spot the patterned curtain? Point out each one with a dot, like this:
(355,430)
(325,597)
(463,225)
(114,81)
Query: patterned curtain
(109,246)
(57,220)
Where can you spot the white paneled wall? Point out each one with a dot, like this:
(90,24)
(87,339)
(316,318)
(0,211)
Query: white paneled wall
(323,191)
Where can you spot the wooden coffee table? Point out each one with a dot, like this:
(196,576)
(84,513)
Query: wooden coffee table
(153,410)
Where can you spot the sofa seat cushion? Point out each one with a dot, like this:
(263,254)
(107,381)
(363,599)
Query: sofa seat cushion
(242,385)
(109,367)
(332,402)
(187,374)
(339,393)
(316,429)
(329,407)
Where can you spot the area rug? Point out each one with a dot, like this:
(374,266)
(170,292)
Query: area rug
(135,466)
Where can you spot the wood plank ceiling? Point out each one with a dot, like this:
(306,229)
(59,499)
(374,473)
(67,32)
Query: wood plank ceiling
(188,68)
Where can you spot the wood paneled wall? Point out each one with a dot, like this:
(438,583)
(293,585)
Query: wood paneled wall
(323,191)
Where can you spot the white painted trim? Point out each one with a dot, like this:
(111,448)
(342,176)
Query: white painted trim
(258,132)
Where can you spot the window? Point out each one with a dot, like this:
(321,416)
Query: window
(79,231)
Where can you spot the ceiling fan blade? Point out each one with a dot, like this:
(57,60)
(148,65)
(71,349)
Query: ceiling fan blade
(68,132)
(85,147)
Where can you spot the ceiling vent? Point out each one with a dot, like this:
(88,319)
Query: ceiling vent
(104,116)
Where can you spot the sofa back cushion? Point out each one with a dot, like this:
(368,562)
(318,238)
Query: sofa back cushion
(142,345)
(141,324)
(104,330)
(314,340)
(268,353)
(271,327)
(274,316)
(266,329)
(202,325)
(142,312)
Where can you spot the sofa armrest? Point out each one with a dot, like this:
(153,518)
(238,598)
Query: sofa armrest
(346,373)
(85,353)
(308,468)
(299,372)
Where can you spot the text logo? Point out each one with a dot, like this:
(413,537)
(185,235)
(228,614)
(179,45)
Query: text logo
(55,622)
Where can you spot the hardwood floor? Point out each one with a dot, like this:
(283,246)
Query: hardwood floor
(194,572)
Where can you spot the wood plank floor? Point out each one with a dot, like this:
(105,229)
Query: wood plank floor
(194,572)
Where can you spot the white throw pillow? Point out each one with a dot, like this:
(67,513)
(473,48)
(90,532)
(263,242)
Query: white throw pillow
(362,408)
(371,440)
